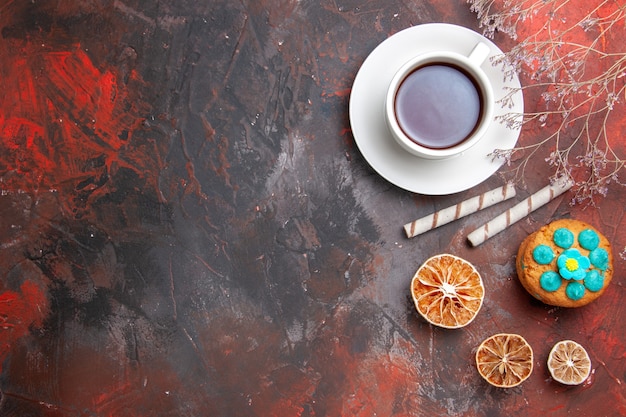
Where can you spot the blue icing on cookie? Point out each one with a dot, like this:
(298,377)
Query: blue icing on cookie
(572,264)
(599,258)
(588,239)
(543,254)
(563,237)
(575,291)
(550,281)
(594,281)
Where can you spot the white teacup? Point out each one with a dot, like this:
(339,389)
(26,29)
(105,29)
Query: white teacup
(440,104)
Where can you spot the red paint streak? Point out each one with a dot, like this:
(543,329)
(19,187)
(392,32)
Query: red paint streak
(557,408)
(544,25)
(610,341)
(87,95)
(58,112)
(19,311)
(338,93)
(110,386)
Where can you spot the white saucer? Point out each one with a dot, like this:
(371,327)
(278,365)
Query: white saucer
(424,176)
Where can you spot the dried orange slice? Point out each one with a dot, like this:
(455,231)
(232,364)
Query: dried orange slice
(447,291)
(504,360)
(569,363)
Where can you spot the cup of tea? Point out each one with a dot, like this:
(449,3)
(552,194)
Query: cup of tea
(439,104)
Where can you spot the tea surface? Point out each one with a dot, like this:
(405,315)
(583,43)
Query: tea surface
(438,106)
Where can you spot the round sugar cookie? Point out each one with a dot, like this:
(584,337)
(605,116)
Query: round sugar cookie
(567,263)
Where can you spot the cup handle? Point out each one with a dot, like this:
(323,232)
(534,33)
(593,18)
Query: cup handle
(480,52)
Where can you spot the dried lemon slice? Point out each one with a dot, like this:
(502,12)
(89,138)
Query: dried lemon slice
(569,363)
(447,291)
(504,360)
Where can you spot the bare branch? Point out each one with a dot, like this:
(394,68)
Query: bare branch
(573,56)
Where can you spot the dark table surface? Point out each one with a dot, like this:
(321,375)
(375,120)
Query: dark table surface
(188,228)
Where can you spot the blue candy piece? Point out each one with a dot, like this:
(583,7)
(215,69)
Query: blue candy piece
(594,281)
(550,281)
(543,254)
(599,258)
(575,291)
(588,239)
(563,238)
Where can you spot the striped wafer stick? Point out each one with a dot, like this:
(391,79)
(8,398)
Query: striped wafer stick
(462,209)
(520,210)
